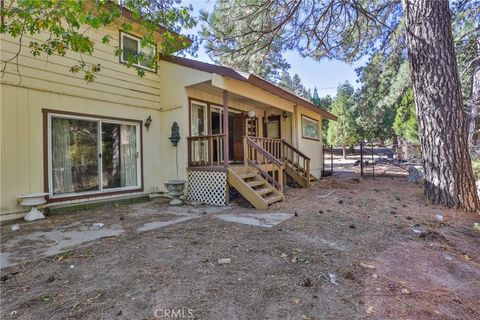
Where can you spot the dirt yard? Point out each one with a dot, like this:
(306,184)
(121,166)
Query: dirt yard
(372,249)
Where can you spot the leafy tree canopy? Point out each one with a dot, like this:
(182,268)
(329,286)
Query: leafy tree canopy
(67,22)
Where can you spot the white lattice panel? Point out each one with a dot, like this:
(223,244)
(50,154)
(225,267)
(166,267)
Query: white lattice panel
(209,187)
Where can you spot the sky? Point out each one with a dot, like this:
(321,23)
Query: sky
(326,75)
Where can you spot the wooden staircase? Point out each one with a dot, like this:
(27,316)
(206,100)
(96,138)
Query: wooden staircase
(261,179)
(297,165)
(257,190)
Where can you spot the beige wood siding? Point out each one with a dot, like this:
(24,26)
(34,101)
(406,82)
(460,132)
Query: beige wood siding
(47,83)
(114,83)
(311,148)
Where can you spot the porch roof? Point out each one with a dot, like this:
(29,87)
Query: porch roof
(250,79)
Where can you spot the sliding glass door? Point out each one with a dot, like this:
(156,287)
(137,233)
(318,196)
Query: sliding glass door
(119,155)
(88,155)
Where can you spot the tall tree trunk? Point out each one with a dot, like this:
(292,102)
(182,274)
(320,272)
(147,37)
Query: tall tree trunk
(449,178)
(395,140)
(474,101)
(344,153)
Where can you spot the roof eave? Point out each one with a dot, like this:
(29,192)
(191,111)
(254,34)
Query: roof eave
(251,79)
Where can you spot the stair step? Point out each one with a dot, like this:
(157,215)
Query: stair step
(255,183)
(273,199)
(263,191)
(247,175)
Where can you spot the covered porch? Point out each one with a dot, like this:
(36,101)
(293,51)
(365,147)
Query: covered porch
(248,139)
(242,132)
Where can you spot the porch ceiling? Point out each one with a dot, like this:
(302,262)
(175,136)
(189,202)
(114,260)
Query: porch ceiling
(207,87)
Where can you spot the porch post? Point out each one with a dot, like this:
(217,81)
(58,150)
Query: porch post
(225,128)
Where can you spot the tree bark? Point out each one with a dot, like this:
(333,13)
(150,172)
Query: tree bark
(449,178)
(344,153)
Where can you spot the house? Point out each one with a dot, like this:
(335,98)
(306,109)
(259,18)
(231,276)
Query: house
(109,139)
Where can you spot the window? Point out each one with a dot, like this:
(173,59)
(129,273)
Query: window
(132,49)
(198,116)
(310,128)
(89,155)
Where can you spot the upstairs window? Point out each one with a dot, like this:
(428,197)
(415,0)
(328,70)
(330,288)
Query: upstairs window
(132,49)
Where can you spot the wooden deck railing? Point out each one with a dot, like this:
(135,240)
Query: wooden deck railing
(268,156)
(273,146)
(205,150)
(264,162)
(298,160)
(286,153)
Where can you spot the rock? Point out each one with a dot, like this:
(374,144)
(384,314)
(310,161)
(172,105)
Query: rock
(224,261)
(97,225)
(416,174)
(439,217)
(368,266)
(476,226)
(417,231)
(6,277)
(15,227)
(447,257)
(333,278)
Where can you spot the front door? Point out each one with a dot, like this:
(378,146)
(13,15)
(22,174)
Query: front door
(236,127)
(271,129)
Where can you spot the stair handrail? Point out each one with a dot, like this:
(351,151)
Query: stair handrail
(267,158)
(271,145)
(299,165)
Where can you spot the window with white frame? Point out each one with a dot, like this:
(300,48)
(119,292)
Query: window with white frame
(140,56)
(92,155)
(310,128)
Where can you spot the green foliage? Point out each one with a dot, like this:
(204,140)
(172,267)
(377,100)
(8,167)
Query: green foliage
(293,84)
(66,23)
(465,27)
(384,80)
(343,132)
(265,60)
(333,29)
(405,124)
(476,168)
